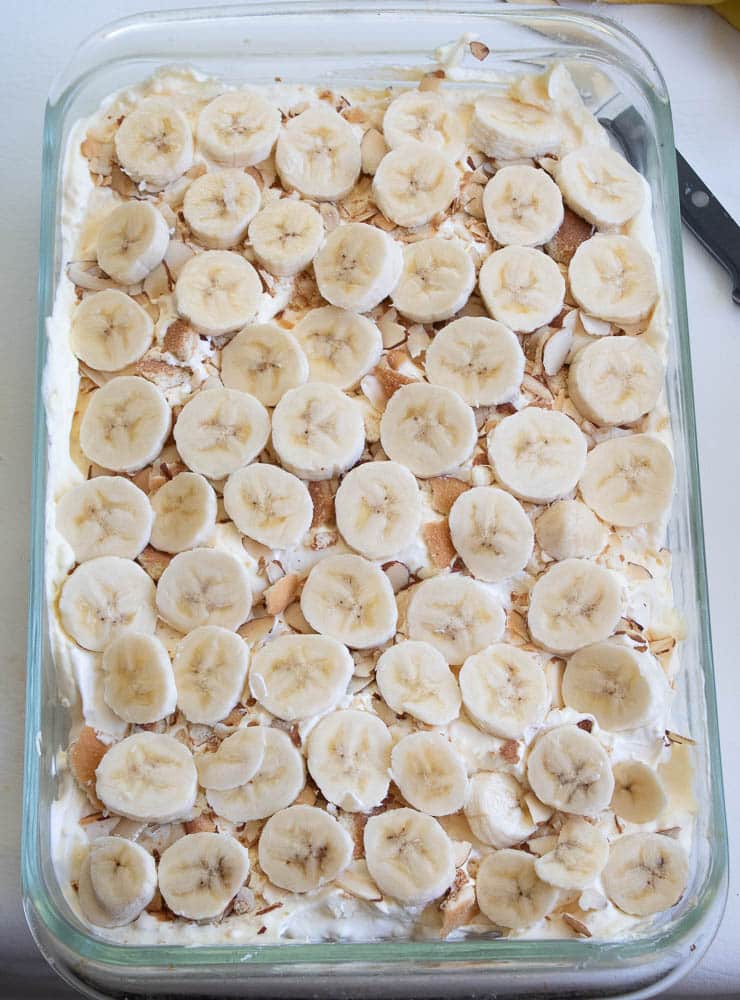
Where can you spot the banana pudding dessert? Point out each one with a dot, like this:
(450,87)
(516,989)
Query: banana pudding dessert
(359,478)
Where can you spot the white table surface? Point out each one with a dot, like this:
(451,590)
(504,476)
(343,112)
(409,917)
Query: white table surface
(699,55)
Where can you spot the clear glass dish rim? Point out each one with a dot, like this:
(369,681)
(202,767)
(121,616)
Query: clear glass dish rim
(573,953)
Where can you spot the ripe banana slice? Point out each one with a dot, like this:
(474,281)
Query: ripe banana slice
(264,361)
(413,677)
(600,186)
(569,530)
(639,795)
(426,118)
(521,287)
(201,873)
(358,266)
(236,761)
(351,600)
(568,769)
(109,330)
(456,615)
(349,755)
(154,144)
(646,873)
(504,690)
(126,424)
(413,183)
(117,881)
(615,380)
(510,892)
(218,207)
(148,776)
(628,480)
(496,811)
(268,504)
(139,682)
(218,291)
(431,775)
(299,676)
(491,532)
(210,668)
(220,430)
(613,277)
(286,236)
(318,154)
(378,509)
(302,848)
(184,513)
(204,587)
(507,129)
(477,357)
(105,516)
(579,857)
(105,597)
(409,856)
(238,129)
(132,241)
(523,206)
(537,454)
(341,346)
(317,431)
(576,602)
(437,279)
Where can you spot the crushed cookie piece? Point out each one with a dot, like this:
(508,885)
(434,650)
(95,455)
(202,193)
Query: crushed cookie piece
(154,562)
(445,491)
(391,380)
(439,543)
(180,340)
(85,754)
(201,824)
(510,751)
(322,495)
(573,231)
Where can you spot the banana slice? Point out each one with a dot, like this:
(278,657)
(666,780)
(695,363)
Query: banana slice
(204,587)
(600,186)
(349,755)
(278,780)
(106,516)
(126,424)
(218,291)
(299,676)
(409,856)
(105,597)
(302,848)
(117,881)
(431,775)
(154,144)
(139,683)
(426,118)
(456,615)
(568,769)
(523,206)
(613,278)
(318,154)
(341,346)
(413,183)
(615,380)
(569,530)
(574,603)
(504,691)
(413,677)
(201,873)
(358,266)
(132,241)
(220,430)
(639,794)
(317,431)
(537,454)
(646,873)
(184,513)
(109,330)
(149,777)
(264,361)
(437,279)
(236,761)
(521,288)
(286,236)
(210,668)
(496,810)
(510,892)
(579,857)
(378,509)
(351,600)
(238,128)
(268,504)
(477,357)
(628,480)
(491,532)
(218,207)
(507,129)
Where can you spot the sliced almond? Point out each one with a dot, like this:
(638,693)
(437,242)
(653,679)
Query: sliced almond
(439,542)
(594,326)
(445,491)
(373,391)
(398,574)
(461,852)
(556,350)
(282,593)
(357,881)
(678,738)
(373,148)
(542,845)
(294,618)
(539,812)
(418,340)
(391,380)
(577,925)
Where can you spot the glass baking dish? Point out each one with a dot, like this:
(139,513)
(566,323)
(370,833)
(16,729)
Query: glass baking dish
(314,42)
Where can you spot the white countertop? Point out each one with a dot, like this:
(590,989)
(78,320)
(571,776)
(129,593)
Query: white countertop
(699,55)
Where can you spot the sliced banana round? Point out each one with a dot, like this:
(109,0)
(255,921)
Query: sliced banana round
(639,794)
(139,683)
(264,361)
(317,431)
(629,480)
(126,424)
(358,266)
(268,504)
(646,873)
(504,690)
(521,287)
(613,277)
(538,454)
(568,769)
(340,346)
(437,279)
(204,587)
(105,516)
(201,873)
(349,756)
(413,183)
(219,206)
(318,154)
(574,603)
(510,892)
(491,532)
(154,144)
(238,128)
(299,676)
(302,848)
(132,241)
(456,615)
(210,668)
(378,508)
(236,761)
(600,186)
(496,811)
(413,678)
(351,600)
(507,129)
(578,859)
(431,775)
(286,235)
(184,513)
(479,358)
(615,380)
(110,330)
(569,530)
(117,880)
(523,206)
(218,291)
(220,430)
(409,856)
(426,118)
(105,597)
(148,776)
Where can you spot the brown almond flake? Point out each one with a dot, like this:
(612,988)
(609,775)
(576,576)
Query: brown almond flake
(262,930)
(121,183)
(678,738)
(85,753)
(479,50)
(282,593)
(577,925)
(91,818)
(391,380)
(294,618)
(445,491)
(256,629)
(322,496)
(164,376)
(510,751)
(201,824)
(439,543)
(573,231)
(268,909)
(671,831)
(659,647)
(154,562)
(180,340)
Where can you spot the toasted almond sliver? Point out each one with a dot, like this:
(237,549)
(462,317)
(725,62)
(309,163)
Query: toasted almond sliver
(577,925)
(257,629)
(280,594)
(678,738)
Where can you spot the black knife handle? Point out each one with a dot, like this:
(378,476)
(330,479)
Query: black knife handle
(709,222)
